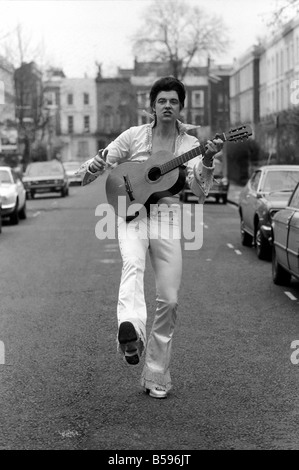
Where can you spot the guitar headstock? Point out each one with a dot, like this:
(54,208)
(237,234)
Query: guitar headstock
(238,134)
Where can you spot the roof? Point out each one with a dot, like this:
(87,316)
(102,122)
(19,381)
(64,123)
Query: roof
(279,167)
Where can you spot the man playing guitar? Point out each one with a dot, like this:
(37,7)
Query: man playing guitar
(166,134)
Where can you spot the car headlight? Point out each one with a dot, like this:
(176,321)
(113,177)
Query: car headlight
(273,212)
(8,199)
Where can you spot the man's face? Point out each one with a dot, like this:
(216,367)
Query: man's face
(167,106)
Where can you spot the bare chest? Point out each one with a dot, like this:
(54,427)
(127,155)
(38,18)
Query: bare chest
(163,144)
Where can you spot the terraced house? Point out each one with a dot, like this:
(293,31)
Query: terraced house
(8,124)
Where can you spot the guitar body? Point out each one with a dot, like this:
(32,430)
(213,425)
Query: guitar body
(142,184)
(133,186)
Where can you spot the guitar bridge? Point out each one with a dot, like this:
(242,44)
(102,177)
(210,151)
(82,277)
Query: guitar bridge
(128,187)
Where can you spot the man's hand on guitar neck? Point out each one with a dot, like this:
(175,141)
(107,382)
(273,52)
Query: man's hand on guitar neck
(212,147)
(99,162)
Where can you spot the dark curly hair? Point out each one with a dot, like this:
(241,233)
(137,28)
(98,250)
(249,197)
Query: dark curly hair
(168,84)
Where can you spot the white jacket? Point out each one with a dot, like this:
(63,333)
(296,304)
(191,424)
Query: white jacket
(135,144)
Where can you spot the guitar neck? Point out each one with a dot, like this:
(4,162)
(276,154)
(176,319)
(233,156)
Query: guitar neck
(234,135)
(181,159)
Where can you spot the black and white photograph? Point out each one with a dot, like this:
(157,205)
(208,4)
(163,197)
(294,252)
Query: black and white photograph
(149,228)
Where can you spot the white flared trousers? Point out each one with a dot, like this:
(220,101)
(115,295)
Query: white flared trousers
(158,234)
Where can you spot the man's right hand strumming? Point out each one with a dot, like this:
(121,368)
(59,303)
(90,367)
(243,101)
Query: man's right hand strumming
(99,162)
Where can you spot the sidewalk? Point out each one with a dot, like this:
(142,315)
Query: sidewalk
(233,193)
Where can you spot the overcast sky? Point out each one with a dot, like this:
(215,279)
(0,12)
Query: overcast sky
(77,33)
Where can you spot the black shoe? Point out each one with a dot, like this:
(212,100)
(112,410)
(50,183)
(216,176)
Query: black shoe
(128,340)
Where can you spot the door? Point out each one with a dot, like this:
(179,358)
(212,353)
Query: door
(281,230)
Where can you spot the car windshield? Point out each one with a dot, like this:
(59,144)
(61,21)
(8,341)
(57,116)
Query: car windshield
(5,177)
(280,180)
(44,169)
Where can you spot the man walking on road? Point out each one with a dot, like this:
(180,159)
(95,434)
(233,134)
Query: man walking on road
(138,144)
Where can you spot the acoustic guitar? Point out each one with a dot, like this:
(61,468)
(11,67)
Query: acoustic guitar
(133,185)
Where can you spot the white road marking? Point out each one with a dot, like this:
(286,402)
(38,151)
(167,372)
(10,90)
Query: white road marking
(69,433)
(230,245)
(238,252)
(109,260)
(290,295)
(36,214)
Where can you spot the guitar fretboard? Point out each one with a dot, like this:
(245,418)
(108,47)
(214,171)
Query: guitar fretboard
(234,135)
(181,159)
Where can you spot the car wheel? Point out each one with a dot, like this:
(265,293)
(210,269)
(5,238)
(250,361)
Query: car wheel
(32,194)
(22,213)
(14,217)
(224,199)
(262,246)
(217,199)
(246,239)
(280,276)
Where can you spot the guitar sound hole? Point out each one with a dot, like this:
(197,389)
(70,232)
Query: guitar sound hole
(154,174)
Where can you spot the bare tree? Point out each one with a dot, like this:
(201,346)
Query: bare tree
(175,32)
(18,46)
(32,112)
(284,11)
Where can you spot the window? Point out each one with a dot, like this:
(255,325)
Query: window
(295,199)
(86,124)
(70,124)
(51,98)
(86,98)
(70,98)
(198,99)
(198,120)
(255,180)
(142,99)
(5,177)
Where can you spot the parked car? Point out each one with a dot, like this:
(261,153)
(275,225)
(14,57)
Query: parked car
(12,194)
(71,167)
(186,193)
(285,254)
(266,192)
(45,177)
(220,187)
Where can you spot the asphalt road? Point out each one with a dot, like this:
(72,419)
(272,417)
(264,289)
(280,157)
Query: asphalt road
(64,386)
